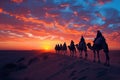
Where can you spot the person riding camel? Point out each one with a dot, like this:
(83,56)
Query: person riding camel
(99,38)
(64,45)
(72,44)
(82,42)
(82,47)
(64,48)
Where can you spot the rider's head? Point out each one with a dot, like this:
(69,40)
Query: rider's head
(99,33)
(82,38)
(72,41)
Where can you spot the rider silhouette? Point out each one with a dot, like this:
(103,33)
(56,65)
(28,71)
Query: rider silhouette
(72,44)
(64,45)
(72,49)
(99,38)
(82,43)
(64,48)
(82,40)
(82,47)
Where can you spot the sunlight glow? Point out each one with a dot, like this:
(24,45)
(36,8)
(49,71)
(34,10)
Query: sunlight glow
(46,45)
(47,48)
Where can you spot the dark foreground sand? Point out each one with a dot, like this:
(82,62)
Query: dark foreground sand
(31,65)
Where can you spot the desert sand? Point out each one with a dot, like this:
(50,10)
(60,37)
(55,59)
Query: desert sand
(35,65)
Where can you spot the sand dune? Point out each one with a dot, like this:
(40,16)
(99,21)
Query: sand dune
(53,67)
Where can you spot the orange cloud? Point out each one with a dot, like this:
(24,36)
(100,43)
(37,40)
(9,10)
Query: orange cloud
(29,19)
(85,18)
(50,15)
(94,28)
(17,1)
(79,25)
(1,10)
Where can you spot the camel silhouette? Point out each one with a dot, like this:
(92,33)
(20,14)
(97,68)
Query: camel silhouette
(61,49)
(100,44)
(57,48)
(64,48)
(82,47)
(72,49)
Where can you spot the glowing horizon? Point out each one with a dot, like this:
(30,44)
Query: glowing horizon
(40,24)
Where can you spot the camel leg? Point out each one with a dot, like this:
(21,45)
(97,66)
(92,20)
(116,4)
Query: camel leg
(94,56)
(107,59)
(80,54)
(75,53)
(65,52)
(106,51)
(71,53)
(86,55)
(98,56)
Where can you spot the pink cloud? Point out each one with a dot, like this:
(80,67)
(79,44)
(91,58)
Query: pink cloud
(17,1)
(103,1)
(1,10)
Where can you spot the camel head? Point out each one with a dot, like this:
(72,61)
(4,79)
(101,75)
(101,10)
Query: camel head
(69,47)
(76,45)
(89,46)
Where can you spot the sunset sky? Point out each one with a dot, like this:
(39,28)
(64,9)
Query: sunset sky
(40,24)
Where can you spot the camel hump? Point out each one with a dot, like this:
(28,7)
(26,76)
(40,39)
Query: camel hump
(99,40)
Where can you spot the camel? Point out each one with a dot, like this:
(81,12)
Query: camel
(82,47)
(72,51)
(64,49)
(57,49)
(97,48)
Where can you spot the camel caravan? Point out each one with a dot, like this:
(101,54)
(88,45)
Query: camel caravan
(99,43)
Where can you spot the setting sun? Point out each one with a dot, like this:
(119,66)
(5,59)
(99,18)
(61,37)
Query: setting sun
(46,45)
(47,48)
